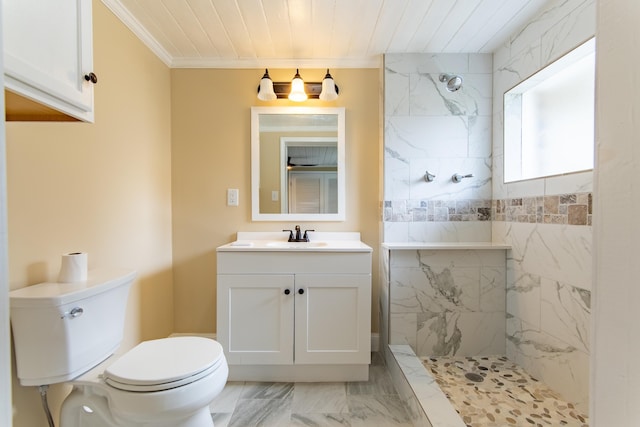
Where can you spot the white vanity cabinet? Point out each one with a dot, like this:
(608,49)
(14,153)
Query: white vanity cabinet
(291,315)
(48,55)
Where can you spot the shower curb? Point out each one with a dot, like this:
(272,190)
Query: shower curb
(426,403)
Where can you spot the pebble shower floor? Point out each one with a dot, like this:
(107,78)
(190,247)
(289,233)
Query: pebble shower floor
(494,392)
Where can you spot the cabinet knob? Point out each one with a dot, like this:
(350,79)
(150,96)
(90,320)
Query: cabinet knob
(301,291)
(91,77)
(287,291)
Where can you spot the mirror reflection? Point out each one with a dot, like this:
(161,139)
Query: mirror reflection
(297,163)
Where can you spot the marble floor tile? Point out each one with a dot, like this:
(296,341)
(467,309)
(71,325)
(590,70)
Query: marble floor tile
(372,403)
(370,410)
(328,398)
(379,383)
(261,413)
(262,390)
(320,420)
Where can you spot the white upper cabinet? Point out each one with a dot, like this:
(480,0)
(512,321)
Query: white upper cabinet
(48,54)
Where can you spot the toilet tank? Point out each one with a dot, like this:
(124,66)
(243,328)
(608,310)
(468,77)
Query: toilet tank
(61,330)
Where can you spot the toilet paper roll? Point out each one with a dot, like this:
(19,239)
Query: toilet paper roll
(73,267)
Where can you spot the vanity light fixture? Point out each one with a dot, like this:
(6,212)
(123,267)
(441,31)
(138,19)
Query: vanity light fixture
(297,93)
(329,92)
(265,91)
(297,90)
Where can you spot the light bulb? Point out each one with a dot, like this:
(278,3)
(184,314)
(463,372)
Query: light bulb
(297,93)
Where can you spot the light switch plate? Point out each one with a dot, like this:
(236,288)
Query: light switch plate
(233,197)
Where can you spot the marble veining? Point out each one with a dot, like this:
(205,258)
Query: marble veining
(448,302)
(559,364)
(429,128)
(372,403)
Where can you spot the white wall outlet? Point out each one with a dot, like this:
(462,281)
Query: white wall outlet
(233,197)
(275,195)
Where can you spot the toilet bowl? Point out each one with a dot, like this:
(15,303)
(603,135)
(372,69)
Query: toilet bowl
(165,382)
(68,332)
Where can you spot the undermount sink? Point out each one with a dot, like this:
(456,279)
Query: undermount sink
(296,245)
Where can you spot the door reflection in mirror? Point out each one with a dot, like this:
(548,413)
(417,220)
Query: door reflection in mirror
(300,159)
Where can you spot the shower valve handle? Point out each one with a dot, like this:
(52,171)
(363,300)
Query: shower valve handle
(458,178)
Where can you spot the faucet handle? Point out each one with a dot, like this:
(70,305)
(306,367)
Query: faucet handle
(458,178)
(306,236)
(290,234)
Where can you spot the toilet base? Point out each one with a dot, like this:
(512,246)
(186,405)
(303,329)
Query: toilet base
(82,410)
(201,418)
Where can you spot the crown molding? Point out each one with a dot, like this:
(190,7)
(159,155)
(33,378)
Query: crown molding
(123,14)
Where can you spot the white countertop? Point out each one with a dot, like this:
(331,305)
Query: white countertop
(444,245)
(277,242)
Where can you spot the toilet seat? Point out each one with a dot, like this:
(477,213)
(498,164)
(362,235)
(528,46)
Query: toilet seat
(164,364)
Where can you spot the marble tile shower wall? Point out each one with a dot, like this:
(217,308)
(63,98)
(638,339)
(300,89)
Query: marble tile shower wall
(430,129)
(549,267)
(447,302)
(548,274)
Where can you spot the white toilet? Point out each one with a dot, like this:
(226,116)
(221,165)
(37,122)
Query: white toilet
(69,332)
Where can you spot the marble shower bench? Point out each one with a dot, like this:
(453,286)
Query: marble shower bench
(444,298)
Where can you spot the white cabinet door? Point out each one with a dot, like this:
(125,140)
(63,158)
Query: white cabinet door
(255,318)
(48,50)
(333,322)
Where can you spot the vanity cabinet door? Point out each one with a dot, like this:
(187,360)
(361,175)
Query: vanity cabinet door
(255,318)
(333,321)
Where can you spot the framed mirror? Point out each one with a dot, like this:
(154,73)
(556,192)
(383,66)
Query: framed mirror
(297,164)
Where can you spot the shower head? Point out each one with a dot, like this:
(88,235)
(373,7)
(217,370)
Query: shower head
(452,81)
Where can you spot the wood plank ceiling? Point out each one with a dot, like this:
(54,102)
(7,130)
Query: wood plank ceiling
(323,33)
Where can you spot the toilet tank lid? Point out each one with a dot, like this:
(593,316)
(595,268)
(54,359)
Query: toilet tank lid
(54,294)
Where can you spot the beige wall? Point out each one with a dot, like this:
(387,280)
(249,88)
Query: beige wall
(103,188)
(211,131)
(106,188)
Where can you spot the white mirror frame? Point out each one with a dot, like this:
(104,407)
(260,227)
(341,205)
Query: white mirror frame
(255,164)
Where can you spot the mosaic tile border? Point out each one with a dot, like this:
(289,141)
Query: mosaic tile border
(571,209)
(437,210)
